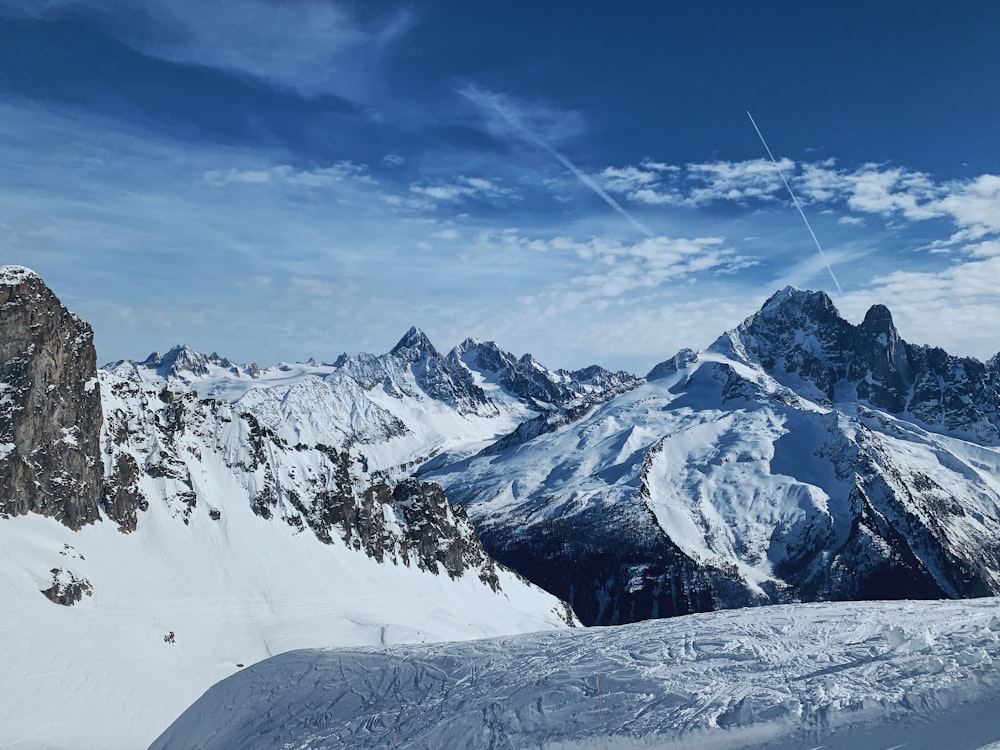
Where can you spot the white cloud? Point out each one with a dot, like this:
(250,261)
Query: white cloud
(617,269)
(310,46)
(284,174)
(653,198)
(890,191)
(464,188)
(820,182)
(973,206)
(735,181)
(656,183)
(986,249)
(627,179)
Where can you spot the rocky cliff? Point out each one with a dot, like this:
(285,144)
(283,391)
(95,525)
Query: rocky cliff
(50,405)
(163,442)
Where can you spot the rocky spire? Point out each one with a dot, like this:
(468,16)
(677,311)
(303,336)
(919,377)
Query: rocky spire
(414,346)
(50,406)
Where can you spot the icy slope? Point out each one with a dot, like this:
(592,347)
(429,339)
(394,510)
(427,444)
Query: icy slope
(846,676)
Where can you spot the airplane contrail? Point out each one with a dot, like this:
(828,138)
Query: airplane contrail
(796,202)
(484,100)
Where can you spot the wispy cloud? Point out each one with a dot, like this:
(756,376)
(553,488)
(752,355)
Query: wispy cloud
(510,112)
(285,174)
(695,185)
(616,269)
(310,46)
(464,188)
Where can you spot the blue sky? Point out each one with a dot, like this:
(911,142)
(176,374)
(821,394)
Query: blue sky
(280,180)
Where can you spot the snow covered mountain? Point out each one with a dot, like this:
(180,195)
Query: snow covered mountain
(165,522)
(156,535)
(798,458)
(860,676)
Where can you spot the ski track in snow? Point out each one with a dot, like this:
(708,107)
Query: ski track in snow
(858,675)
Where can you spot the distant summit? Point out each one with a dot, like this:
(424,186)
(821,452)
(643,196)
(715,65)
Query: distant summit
(414,345)
(182,359)
(800,339)
(16,275)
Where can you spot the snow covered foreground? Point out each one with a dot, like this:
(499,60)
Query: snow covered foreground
(854,675)
(174,608)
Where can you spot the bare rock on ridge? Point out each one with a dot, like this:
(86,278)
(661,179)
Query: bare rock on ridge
(50,406)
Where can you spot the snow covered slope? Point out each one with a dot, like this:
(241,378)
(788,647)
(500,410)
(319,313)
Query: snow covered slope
(844,676)
(153,539)
(391,412)
(172,608)
(797,458)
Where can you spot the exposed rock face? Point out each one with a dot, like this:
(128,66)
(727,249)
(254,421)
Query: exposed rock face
(161,437)
(613,566)
(545,390)
(50,405)
(66,588)
(799,338)
(439,533)
(181,362)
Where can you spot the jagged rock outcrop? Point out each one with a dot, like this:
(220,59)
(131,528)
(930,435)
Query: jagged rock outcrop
(668,367)
(441,378)
(50,405)
(186,363)
(67,589)
(799,338)
(75,441)
(163,443)
(545,390)
(439,533)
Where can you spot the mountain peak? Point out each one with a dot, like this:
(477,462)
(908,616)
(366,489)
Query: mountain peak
(877,320)
(182,358)
(805,299)
(16,275)
(471,343)
(415,341)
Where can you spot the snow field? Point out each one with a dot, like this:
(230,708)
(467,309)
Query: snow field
(861,675)
(106,673)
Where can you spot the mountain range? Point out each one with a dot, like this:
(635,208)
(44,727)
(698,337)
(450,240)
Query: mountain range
(222,512)
(797,458)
